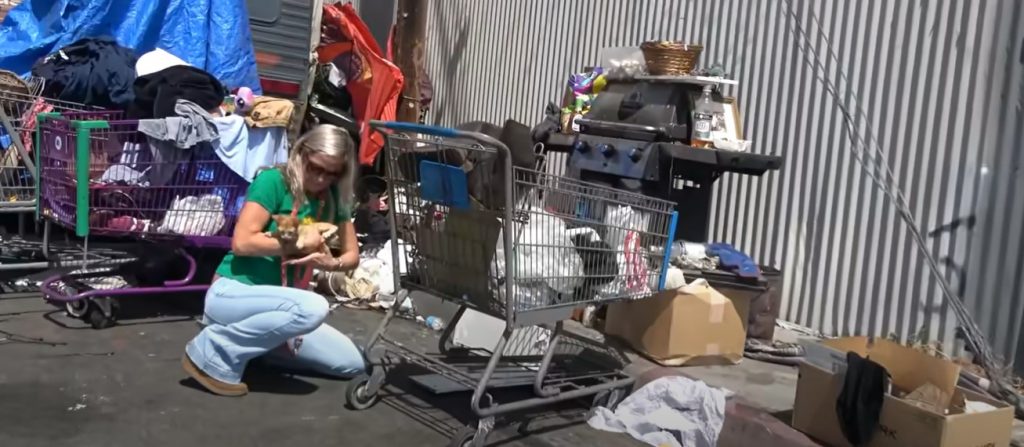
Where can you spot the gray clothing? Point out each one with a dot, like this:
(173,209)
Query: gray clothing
(170,138)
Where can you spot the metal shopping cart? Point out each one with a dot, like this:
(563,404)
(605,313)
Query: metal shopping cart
(20,102)
(520,245)
(98,177)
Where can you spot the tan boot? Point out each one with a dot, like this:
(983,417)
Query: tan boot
(213,385)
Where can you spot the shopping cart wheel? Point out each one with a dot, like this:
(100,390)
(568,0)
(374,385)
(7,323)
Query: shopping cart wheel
(77,309)
(472,435)
(609,398)
(102,312)
(358,393)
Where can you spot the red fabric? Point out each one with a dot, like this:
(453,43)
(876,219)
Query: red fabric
(377,83)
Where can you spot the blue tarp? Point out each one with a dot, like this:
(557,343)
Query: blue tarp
(209,34)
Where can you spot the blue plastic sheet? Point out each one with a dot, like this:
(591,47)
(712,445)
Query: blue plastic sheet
(209,34)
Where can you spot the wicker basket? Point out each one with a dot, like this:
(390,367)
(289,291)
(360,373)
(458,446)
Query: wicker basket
(10,82)
(670,58)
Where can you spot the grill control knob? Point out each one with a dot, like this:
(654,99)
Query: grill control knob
(581,146)
(636,154)
(607,150)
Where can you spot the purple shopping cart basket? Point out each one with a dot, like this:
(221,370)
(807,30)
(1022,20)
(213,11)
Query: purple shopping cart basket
(98,176)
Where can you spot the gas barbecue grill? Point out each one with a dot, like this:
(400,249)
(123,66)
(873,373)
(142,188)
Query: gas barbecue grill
(636,137)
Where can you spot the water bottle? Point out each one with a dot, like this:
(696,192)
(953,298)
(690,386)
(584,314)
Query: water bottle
(431,322)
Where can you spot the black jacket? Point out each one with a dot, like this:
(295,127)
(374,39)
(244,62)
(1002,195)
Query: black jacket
(157,93)
(92,71)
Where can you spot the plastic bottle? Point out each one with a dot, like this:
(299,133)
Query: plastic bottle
(432,322)
(703,113)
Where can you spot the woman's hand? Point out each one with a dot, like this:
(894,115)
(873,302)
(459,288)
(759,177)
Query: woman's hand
(318,260)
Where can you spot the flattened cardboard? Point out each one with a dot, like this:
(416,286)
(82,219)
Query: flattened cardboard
(902,423)
(690,326)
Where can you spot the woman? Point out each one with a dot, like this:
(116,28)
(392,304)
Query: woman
(248,313)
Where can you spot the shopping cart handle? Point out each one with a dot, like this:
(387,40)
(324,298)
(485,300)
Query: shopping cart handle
(448,132)
(400,126)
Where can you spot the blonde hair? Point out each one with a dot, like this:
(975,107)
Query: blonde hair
(328,140)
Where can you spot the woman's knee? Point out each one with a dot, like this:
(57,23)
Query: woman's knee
(345,367)
(332,353)
(311,310)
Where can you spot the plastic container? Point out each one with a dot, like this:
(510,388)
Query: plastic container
(622,62)
(432,322)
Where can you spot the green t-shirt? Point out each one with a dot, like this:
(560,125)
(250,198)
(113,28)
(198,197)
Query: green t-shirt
(269,190)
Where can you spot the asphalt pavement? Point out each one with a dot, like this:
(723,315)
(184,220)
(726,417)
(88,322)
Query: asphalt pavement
(63,383)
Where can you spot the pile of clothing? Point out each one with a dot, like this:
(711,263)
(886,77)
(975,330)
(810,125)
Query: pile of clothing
(191,132)
(95,72)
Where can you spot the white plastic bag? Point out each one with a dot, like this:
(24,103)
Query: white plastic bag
(195,216)
(547,263)
(624,229)
(671,411)
(385,254)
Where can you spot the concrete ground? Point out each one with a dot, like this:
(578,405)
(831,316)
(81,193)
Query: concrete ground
(64,384)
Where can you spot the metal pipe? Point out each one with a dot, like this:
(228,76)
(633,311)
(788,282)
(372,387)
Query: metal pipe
(188,277)
(442,343)
(620,126)
(26,207)
(24,266)
(545,364)
(52,294)
(382,326)
(534,402)
(492,364)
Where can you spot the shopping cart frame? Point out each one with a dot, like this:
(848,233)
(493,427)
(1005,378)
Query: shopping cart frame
(549,387)
(82,133)
(13,107)
(20,103)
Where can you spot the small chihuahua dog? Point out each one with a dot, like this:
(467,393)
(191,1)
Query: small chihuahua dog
(297,236)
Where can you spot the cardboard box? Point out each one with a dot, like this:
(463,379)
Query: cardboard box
(694,325)
(902,422)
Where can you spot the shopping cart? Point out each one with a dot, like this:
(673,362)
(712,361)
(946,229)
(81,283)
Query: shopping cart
(20,101)
(520,245)
(98,176)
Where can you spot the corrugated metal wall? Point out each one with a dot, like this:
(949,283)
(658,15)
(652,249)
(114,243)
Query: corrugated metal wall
(936,81)
(996,264)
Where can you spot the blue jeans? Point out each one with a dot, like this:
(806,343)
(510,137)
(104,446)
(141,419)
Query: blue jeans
(245,322)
